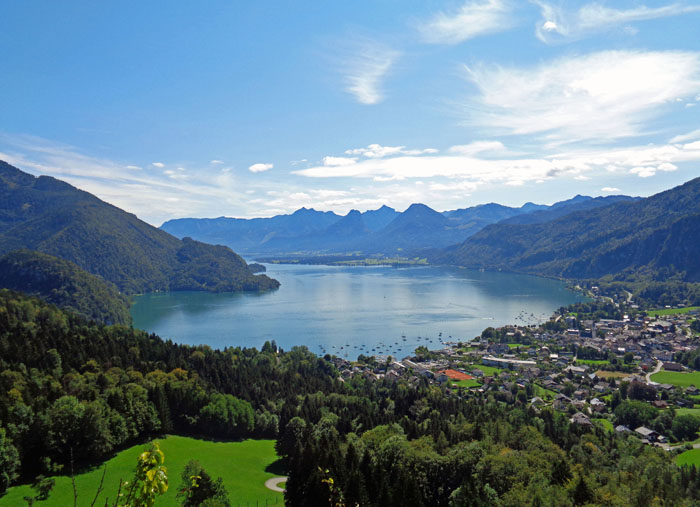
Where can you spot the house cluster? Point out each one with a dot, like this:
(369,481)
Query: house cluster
(576,370)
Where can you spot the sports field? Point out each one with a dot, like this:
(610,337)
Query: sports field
(677,378)
(244,467)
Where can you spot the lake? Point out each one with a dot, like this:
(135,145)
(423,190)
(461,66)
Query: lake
(351,310)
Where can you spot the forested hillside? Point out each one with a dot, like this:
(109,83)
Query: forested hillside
(64,284)
(67,386)
(653,238)
(51,216)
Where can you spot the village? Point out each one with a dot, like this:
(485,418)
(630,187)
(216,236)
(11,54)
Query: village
(625,375)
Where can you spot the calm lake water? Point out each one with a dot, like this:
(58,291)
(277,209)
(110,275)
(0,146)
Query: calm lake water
(351,310)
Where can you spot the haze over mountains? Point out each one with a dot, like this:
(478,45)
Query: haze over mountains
(383,231)
(50,216)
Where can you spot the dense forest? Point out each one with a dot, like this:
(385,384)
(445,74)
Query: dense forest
(64,284)
(68,386)
(50,216)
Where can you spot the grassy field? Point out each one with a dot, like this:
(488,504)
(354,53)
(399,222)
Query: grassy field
(691,457)
(677,378)
(593,362)
(545,394)
(242,465)
(671,311)
(467,383)
(611,374)
(691,411)
(489,371)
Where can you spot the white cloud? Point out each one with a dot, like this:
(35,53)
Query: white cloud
(379,151)
(365,67)
(134,167)
(690,136)
(338,161)
(609,189)
(478,147)
(260,167)
(472,169)
(643,172)
(604,95)
(473,19)
(158,164)
(549,26)
(216,162)
(559,24)
(648,171)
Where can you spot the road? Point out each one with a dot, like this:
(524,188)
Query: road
(659,364)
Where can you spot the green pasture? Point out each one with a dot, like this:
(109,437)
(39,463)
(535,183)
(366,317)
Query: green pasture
(677,378)
(467,383)
(244,467)
(671,311)
(489,371)
(690,457)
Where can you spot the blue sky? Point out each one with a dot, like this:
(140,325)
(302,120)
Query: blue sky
(258,108)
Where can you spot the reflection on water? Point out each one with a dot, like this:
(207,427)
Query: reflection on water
(351,310)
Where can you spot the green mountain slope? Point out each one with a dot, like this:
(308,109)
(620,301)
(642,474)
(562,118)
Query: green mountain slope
(51,216)
(64,284)
(655,238)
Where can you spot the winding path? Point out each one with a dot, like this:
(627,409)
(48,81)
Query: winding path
(659,364)
(273,484)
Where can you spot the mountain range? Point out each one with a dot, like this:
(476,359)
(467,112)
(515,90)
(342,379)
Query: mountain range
(655,238)
(382,231)
(48,215)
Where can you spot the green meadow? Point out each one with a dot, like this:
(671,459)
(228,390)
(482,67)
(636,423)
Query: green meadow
(467,383)
(690,457)
(244,467)
(671,311)
(593,362)
(489,371)
(677,378)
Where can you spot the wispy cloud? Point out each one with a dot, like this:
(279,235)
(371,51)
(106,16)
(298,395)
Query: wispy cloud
(559,24)
(152,194)
(608,190)
(379,151)
(473,19)
(364,66)
(260,167)
(684,138)
(604,95)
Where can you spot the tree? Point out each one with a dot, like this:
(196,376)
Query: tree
(198,488)
(641,391)
(150,479)
(226,415)
(9,462)
(634,413)
(685,426)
